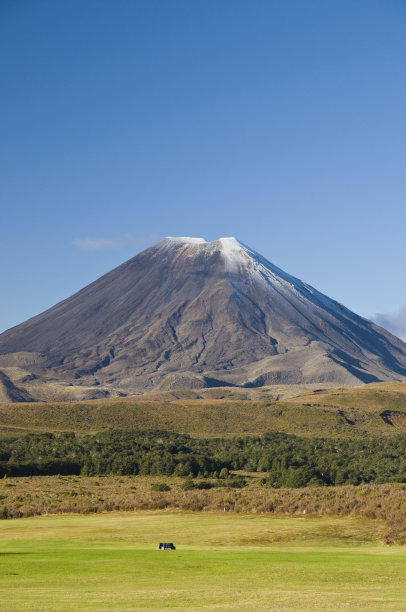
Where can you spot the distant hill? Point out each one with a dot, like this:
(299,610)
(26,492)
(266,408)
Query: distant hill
(187,313)
(10,393)
(376,409)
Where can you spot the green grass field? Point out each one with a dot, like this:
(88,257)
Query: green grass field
(223,561)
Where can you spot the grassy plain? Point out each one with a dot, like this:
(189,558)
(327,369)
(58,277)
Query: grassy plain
(374,409)
(45,495)
(238,549)
(223,562)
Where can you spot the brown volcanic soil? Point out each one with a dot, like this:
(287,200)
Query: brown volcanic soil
(191,314)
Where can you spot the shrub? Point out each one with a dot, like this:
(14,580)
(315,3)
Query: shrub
(205,485)
(160,486)
(188,484)
(237,482)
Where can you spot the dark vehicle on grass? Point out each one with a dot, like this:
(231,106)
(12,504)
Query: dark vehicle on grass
(166,546)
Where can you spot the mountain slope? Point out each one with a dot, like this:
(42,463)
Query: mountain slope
(187,312)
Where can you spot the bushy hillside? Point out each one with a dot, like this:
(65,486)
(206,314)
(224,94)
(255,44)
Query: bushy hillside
(286,461)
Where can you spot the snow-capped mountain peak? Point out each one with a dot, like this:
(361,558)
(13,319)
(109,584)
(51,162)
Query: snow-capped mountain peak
(213,312)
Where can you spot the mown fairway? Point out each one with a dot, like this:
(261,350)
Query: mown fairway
(223,562)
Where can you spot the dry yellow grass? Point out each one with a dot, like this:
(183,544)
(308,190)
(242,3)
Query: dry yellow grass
(39,495)
(375,409)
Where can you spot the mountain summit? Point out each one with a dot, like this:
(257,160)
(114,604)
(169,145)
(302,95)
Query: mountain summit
(192,313)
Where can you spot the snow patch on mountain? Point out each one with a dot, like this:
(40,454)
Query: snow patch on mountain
(241,259)
(260,269)
(183,240)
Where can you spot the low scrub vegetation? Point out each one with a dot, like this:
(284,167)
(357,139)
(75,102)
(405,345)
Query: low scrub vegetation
(41,495)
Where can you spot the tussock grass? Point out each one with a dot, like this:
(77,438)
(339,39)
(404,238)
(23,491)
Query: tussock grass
(374,409)
(40,495)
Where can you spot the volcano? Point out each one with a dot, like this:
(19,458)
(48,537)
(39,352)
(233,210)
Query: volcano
(191,313)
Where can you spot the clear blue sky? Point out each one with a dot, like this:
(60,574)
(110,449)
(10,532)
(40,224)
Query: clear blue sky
(280,122)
